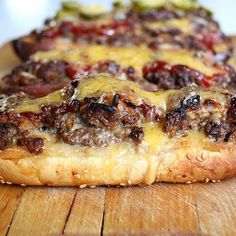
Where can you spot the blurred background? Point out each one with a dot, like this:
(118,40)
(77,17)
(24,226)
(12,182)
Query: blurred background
(19,17)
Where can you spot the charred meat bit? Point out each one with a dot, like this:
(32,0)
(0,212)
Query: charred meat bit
(175,121)
(216,131)
(131,73)
(87,137)
(54,116)
(34,145)
(74,83)
(7,117)
(54,70)
(169,77)
(149,112)
(231,112)
(136,134)
(157,15)
(109,67)
(192,102)
(131,118)
(209,102)
(98,114)
(184,75)
(129,103)
(8,132)
(166,76)
(115,100)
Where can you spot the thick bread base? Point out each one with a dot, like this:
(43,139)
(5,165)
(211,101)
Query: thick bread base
(182,161)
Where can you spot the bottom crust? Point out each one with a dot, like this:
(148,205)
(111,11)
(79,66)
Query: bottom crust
(183,161)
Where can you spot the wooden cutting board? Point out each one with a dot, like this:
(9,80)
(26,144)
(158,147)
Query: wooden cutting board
(160,209)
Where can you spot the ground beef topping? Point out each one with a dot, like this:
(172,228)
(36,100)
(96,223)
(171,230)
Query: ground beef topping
(109,118)
(204,115)
(166,76)
(8,131)
(11,133)
(38,79)
(33,145)
(93,121)
(231,113)
(117,33)
(35,78)
(217,131)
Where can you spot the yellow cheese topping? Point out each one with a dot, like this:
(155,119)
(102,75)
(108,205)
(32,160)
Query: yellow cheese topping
(185,57)
(87,55)
(96,85)
(146,157)
(183,24)
(131,56)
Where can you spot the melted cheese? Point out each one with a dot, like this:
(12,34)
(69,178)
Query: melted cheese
(96,85)
(118,159)
(87,55)
(133,56)
(185,57)
(34,105)
(105,84)
(183,24)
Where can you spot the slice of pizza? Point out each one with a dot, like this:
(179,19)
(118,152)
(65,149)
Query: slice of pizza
(154,71)
(160,25)
(102,130)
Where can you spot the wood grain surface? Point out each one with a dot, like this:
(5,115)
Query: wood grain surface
(160,209)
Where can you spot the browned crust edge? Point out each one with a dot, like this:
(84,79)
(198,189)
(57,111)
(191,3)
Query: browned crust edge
(183,162)
(26,46)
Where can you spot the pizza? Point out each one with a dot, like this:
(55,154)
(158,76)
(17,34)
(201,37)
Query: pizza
(163,24)
(154,71)
(142,94)
(158,45)
(101,130)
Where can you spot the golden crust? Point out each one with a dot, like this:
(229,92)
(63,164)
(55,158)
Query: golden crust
(196,160)
(185,160)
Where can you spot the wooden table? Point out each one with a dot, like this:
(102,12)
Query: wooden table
(160,209)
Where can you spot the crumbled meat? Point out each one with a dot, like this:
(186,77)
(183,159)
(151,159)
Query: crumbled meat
(231,113)
(149,112)
(175,121)
(36,78)
(216,131)
(131,73)
(56,116)
(184,117)
(136,134)
(106,118)
(169,77)
(177,76)
(51,71)
(115,100)
(108,66)
(8,132)
(191,115)
(34,145)
(184,75)
(87,137)
(191,103)
(98,114)
(154,15)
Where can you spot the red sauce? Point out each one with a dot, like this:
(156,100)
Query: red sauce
(209,40)
(203,80)
(79,30)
